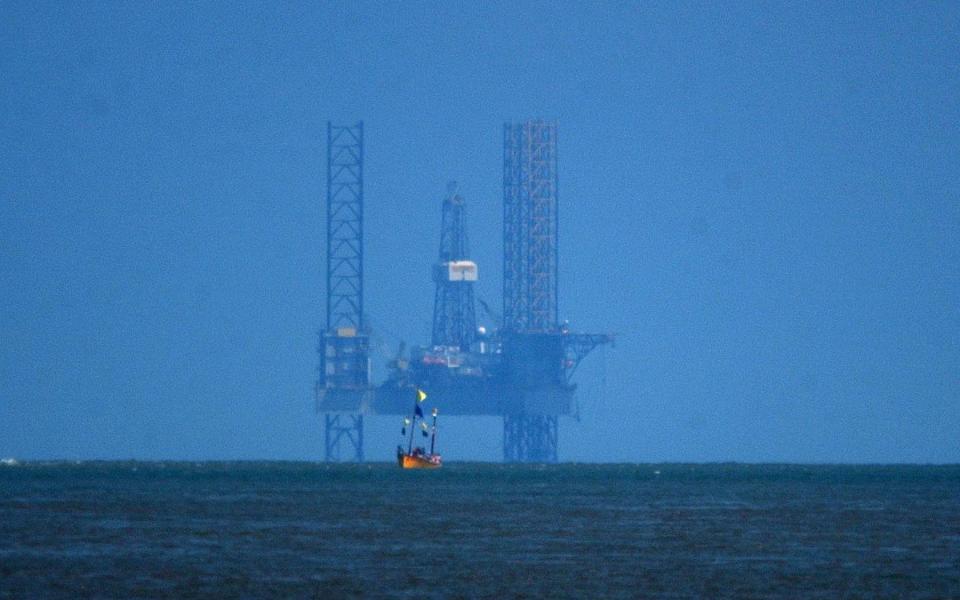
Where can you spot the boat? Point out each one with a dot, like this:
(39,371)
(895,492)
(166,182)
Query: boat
(417,457)
(418,461)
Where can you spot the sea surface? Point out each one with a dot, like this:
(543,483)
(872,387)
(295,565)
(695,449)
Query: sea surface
(314,530)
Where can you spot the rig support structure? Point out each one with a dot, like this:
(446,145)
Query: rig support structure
(543,353)
(530,226)
(344,378)
(530,280)
(530,438)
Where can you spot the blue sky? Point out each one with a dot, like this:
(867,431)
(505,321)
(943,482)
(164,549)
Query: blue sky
(760,200)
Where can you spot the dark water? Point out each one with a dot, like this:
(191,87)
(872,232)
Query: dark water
(311,530)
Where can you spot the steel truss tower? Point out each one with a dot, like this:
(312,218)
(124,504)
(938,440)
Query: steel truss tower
(454,315)
(530,270)
(343,432)
(530,438)
(530,226)
(344,344)
(344,226)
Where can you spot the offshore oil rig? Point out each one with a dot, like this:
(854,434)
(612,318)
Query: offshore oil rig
(520,371)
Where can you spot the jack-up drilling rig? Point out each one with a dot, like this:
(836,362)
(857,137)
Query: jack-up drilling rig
(521,371)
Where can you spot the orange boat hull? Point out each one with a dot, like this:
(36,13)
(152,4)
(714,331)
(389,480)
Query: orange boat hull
(408,461)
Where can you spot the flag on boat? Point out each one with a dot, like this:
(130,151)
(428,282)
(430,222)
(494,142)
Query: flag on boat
(403,430)
(425,429)
(421,395)
(417,410)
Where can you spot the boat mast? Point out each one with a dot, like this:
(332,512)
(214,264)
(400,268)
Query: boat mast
(433,438)
(413,426)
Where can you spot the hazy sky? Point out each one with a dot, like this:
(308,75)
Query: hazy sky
(760,200)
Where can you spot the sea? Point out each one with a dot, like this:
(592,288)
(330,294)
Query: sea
(469,530)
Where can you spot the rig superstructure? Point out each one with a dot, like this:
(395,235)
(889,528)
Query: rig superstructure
(520,371)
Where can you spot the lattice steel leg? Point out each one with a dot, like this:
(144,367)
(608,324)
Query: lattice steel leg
(530,438)
(343,431)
